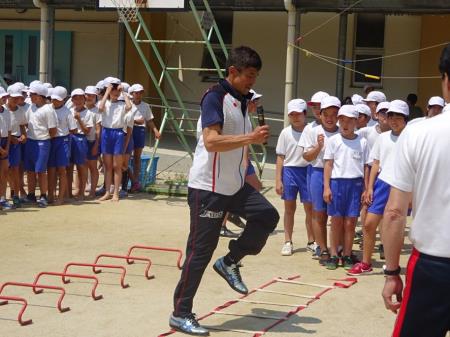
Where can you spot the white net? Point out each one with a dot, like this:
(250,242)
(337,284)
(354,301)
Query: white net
(129,9)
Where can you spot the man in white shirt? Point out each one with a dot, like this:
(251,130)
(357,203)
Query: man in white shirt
(422,167)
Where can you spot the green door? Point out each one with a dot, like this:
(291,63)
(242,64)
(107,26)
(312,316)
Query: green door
(20,58)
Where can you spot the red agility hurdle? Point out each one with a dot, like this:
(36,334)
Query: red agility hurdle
(163,249)
(33,286)
(93,266)
(125,257)
(94,296)
(22,310)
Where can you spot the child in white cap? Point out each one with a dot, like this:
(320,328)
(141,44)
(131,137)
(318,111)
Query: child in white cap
(314,148)
(79,145)
(5,139)
(372,100)
(345,158)
(291,174)
(377,190)
(59,158)
(363,115)
(113,113)
(434,108)
(18,139)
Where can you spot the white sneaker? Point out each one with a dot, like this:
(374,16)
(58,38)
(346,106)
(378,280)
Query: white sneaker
(311,247)
(287,249)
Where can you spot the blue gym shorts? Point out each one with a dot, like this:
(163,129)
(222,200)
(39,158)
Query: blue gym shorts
(138,137)
(346,197)
(250,169)
(316,187)
(308,181)
(3,142)
(381,192)
(15,154)
(130,146)
(90,147)
(36,155)
(112,141)
(59,152)
(78,149)
(294,183)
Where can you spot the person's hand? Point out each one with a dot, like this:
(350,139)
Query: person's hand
(392,286)
(120,88)
(260,134)
(363,197)
(108,88)
(279,187)
(23,139)
(15,140)
(157,134)
(327,195)
(369,196)
(77,115)
(321,141)
(3,152)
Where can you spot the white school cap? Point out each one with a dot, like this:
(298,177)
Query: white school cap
(58,93)
(400,107)
(3,92)
(38,89)
(330,101)
(348,110)
(255,95)
(111,80)
(100,85)
(135,88)
(35,82)
(357,99)
(363,109)
(125,87)
(436,100)
(296,105)
(375,96)
(90,90)
(383,106)
(20,86)
(14,90)
(77,92)
(48,85)
(318,97)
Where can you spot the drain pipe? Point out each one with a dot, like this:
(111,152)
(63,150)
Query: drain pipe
(43,47)
(290,57)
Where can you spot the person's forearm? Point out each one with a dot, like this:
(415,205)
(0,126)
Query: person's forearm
(373,173)
(312,154)
(83,127)
(328,167)
(128,104)
(140,121)
(366,177)
(102,104)
(52,132)
(223,143)
(279,167)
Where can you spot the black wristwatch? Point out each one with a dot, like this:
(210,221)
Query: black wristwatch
(395,272)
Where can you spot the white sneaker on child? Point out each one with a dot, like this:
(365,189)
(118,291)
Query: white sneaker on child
(287,249)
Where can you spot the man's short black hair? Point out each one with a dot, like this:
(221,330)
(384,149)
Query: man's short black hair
(244,57)
(412,98)
(444,63)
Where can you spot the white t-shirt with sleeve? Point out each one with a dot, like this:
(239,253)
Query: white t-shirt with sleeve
(142,110)
(96,119)
(87,119)
(349,156)
(287,146)
(306,134)
(383,148)
(307,143)
(66,122)
(422,166)
(17,119)
(40,120)
(5,121)
(113,116)
(371,133)
(129,120)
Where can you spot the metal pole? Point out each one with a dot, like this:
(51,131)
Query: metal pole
(43,45)
(51,43)
(296,88)
(342,47)
(122,47)
(288,90)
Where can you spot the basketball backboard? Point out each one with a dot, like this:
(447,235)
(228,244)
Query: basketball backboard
(154,5)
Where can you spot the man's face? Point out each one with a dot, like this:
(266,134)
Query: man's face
(347,126)
(434,110)
(137,96)
(243,80)
(91,98)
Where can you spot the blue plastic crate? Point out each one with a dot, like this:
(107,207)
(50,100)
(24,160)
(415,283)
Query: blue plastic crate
(151,177)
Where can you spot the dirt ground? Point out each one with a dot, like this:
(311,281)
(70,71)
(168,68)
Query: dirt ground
(35,240)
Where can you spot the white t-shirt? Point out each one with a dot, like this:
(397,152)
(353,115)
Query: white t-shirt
(383,148)
(416,120)
(371,133)
(17,119)
(129,120)
(372,122)
(113,116)
(40,120)
(422,166)
(287,146)
(96,119)
(87,119)
(142,110)
(66,122)
(306,134)
(307,143)
(349,156)
(5,122)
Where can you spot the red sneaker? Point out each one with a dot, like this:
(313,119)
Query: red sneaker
(359,269)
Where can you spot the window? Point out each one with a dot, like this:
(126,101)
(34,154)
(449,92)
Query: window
(224,20)
(9,54)
(32,55)
(368,44)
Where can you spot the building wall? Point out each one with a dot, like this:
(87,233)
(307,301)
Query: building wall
(434,31)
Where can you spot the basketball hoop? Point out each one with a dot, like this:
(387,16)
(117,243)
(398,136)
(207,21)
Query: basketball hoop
(129,9)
